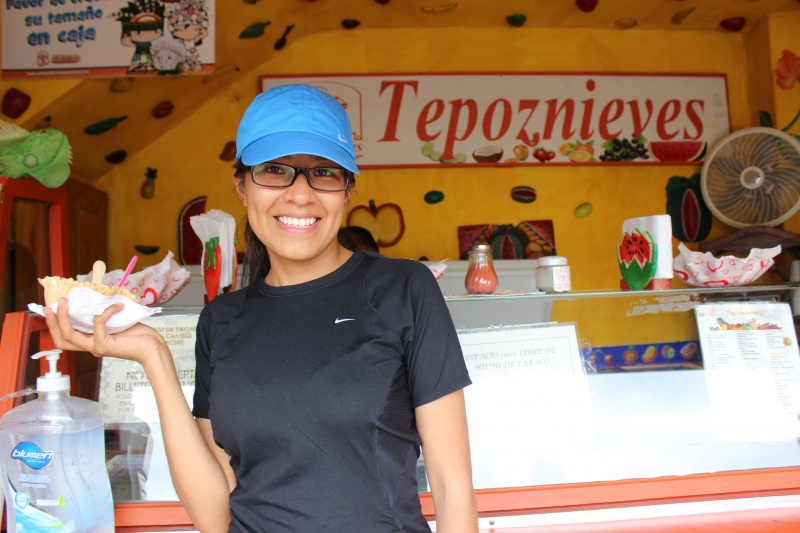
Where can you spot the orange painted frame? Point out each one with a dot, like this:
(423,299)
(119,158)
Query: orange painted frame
(551,498)
(28,189)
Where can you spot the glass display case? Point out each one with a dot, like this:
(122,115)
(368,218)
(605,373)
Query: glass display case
(586,407)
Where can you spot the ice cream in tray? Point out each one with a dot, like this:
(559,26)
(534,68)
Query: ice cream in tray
(90,295)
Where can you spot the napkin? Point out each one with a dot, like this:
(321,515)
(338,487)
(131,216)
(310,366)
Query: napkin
(216,224)
(703,269)
(153,285)
(85,304)
(438,269)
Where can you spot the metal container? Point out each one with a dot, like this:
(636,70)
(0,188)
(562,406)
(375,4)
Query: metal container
(481,277)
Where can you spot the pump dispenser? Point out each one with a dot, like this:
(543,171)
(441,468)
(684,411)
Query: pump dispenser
(52,381)
(52,452)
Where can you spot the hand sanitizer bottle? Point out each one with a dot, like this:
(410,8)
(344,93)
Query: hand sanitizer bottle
(52,451)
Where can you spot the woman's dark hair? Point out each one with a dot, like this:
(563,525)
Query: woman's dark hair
(256,258)
(357,238)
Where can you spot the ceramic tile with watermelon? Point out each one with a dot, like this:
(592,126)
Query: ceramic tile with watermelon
(530,239)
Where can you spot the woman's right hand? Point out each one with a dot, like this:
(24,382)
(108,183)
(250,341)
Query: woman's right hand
(136,343)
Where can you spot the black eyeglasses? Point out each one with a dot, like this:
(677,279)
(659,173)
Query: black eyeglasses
(281,176)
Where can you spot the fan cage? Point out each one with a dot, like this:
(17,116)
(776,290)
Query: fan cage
(752,178)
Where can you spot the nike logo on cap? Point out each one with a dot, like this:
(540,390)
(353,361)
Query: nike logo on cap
(338,320)
(341,139)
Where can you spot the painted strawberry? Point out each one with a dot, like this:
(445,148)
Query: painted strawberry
(542,154)
(212,267)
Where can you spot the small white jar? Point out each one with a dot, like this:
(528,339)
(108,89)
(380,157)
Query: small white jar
(552,274)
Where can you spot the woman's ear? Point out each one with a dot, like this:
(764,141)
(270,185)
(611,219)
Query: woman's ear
(238,184)
(350,193)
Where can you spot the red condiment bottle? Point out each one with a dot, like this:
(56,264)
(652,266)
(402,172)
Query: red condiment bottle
(481,277)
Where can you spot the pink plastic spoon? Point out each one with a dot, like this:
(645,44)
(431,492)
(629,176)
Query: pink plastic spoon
(128,270)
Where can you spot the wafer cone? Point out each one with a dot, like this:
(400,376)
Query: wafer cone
(55,287)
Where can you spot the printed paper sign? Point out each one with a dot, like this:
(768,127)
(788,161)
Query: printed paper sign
(125,394)
(752,368)
(549,350)
(529,399)
(527,118)
(108,38)
(138,467)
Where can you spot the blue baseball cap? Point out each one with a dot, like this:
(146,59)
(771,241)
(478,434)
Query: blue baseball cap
(295,119)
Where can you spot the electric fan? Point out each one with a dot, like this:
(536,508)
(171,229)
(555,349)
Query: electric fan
(752,178)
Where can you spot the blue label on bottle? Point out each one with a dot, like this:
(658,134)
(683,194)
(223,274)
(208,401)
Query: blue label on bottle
(32,455)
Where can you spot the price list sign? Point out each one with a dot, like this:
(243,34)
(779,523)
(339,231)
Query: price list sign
(752,370)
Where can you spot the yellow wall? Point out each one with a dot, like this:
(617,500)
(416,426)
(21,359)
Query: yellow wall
(784,36)
(188,163)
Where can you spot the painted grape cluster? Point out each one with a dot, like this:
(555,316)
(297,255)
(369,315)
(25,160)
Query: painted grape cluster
(623,149)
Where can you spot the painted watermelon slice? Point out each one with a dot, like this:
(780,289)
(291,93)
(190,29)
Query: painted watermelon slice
(508,242)
(691,218)
(638,259)
(190,249)
(678,151)
(469,235)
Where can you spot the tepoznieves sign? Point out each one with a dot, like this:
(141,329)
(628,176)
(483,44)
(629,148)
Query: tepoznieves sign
(528,118)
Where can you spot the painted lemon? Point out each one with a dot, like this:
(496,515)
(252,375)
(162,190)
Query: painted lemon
(650,354)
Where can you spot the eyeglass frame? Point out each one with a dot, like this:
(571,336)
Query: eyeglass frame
(304,171)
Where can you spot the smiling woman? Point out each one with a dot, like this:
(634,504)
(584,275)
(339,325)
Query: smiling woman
(294,173)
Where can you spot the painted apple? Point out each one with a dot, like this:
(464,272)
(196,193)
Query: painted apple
(384,221)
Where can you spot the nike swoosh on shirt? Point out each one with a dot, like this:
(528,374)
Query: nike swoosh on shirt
(338,320)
